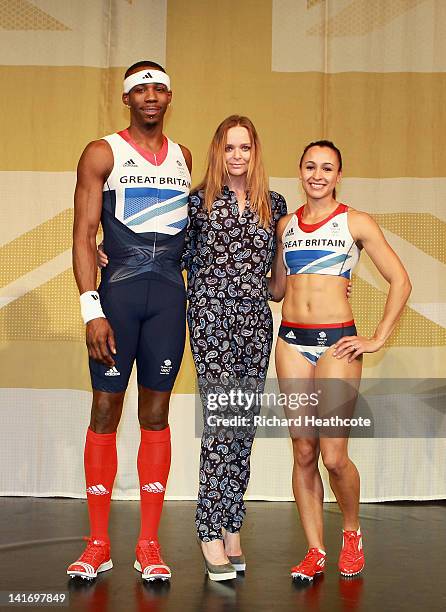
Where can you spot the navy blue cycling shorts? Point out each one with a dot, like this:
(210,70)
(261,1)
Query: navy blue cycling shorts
(149,322)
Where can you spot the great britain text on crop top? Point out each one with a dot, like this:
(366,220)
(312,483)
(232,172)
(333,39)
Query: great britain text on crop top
(162,180)
(314,242)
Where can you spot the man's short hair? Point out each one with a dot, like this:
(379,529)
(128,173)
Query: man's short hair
(142,65)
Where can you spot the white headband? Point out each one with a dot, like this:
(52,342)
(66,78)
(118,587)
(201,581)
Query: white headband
(146,76)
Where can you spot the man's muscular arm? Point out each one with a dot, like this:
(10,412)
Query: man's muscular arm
(93,169)
(94,166)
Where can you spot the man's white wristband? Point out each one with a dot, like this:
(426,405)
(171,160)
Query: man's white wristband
(91,306)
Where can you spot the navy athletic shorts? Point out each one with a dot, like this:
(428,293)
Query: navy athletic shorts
(311,341)
(148,318)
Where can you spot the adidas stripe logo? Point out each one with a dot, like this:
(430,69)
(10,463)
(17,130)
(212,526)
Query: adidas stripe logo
(290,334)
(97,490)
(147,76)
(112,372)
(130,163)
(153,487)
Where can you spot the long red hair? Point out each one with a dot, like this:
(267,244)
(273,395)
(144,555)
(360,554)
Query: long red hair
(216,175)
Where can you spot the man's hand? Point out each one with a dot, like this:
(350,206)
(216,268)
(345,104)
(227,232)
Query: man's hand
(101,257)
(101,341)
(349,289)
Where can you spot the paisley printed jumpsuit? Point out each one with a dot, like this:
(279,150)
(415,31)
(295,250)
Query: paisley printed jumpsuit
(228,256)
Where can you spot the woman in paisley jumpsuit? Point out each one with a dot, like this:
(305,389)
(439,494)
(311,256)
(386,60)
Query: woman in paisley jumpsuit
(230,248)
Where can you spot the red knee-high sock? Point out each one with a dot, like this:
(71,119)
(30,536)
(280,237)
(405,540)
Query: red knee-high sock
(100,462)
(153,471)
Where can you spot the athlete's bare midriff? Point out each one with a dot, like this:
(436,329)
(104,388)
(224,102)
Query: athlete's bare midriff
(316,298)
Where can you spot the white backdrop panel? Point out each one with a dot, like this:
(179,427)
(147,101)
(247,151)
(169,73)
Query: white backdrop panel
(43,432)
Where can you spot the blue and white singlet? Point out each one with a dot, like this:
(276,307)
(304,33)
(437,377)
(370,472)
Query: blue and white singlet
(326,247)
(144,210)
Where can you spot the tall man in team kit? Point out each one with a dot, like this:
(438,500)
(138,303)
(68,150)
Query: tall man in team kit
(136,184)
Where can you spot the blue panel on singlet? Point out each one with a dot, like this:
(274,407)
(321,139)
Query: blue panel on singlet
(300,258)
(169,207)
(179,224)
(142,198)
(109,201)
(327,263)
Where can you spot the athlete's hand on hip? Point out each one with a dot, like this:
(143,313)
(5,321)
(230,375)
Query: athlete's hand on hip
(101,256)
(101,341)
(349,289)
(353,346)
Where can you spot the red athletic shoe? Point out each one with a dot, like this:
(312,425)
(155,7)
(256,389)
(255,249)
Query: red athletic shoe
(94,559)
(149,561)
(351,559)
(313,563)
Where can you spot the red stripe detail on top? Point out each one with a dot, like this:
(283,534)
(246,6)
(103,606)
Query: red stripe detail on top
(310,227)
(319,325)
(156,159)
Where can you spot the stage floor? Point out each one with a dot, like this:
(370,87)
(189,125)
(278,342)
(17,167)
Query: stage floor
(404,545)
